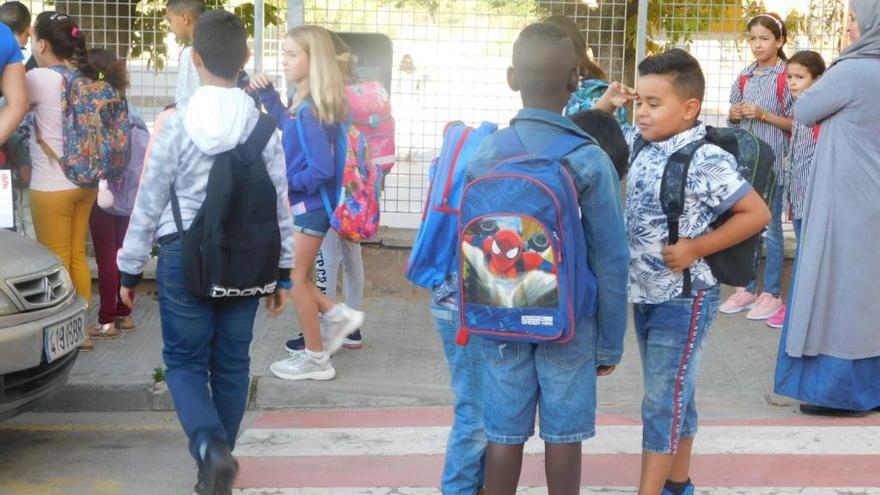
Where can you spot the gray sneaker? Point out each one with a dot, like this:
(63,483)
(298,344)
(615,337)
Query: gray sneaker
(302,366)
(339,323)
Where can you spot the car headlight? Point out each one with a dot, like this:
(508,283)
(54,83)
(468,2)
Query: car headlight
(6,306)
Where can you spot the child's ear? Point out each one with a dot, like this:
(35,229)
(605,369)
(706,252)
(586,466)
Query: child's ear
(511,79)
(574,79)
(692,109)
(197,59)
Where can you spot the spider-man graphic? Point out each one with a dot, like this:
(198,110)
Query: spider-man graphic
(507,256)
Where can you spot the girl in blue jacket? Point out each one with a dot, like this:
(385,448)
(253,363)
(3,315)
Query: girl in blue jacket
(310,128)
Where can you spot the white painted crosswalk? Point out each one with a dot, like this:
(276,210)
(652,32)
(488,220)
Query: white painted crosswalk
(400,451)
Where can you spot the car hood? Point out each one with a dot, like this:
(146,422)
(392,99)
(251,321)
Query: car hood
(20,255)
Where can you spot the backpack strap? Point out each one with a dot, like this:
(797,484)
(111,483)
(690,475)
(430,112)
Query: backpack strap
(64,72)
(743,79)
(260,136)
(564,145)
(301,134)
(637,147)
(508,143)
(672,195)
(781,85)
(816,130)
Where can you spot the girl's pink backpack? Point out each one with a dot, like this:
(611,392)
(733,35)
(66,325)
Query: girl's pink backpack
(371,114)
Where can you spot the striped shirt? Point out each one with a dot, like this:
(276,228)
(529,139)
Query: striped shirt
(798,164)
(761,89)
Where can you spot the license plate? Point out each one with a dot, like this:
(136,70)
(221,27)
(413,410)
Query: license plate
(63,337)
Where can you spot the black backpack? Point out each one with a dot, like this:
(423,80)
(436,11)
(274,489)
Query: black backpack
(737,264)
(232,248)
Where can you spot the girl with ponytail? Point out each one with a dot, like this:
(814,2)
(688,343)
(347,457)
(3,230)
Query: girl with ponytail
(60,209)
(761,102)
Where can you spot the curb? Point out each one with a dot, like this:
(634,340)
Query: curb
(87,397)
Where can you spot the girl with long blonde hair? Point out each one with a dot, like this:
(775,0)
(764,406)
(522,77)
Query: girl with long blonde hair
(310,127)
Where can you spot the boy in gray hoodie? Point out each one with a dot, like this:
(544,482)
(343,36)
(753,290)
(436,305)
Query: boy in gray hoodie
(205,343)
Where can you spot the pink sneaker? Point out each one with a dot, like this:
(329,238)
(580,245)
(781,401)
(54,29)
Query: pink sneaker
(766,306)
(778,319)
(741,300)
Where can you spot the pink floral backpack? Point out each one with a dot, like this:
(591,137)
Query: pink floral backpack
(359,182)
(371,113)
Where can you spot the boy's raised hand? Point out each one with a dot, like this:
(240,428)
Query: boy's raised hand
(616,96)
(260,81)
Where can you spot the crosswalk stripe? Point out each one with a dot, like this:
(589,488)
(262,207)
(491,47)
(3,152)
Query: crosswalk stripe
(830,440)
(601,470)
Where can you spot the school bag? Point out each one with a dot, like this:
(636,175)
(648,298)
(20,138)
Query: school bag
(754,160)
(781,84)
(96,130)
(523,272)
(232,248)
(123,189)
(358,183)
(370,108)
(434,252)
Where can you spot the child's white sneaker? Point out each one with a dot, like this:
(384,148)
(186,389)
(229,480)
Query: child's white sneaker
(304,366)
(340,322)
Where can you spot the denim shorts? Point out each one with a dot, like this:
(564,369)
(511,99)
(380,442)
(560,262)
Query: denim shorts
(670,337)
(559,380)
(315,223)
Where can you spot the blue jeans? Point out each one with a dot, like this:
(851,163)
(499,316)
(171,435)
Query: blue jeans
(557,379)
(315,223)
(465,464)
(775,242)
(670,337)
(205,343)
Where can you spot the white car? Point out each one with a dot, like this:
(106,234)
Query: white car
(42,323)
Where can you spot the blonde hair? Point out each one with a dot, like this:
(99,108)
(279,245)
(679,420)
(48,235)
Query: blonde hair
(326,86)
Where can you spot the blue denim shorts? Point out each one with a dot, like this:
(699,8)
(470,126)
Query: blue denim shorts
(315,223)
(670,337)
(559,380)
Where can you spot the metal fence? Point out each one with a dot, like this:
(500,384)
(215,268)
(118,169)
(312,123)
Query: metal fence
(450,56)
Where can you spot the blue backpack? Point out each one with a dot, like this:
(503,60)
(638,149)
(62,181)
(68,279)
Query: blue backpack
(434,254)
(524,274)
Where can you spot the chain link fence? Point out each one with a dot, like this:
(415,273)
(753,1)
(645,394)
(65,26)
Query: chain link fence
(450,56)
(714,32)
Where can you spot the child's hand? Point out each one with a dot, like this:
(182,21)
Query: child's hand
(618,95)
(276,302)
(736,112)
(750,111)
(604,370)
(680,255)
(260,81)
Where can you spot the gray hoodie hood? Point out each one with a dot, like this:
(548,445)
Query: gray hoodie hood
(218,119)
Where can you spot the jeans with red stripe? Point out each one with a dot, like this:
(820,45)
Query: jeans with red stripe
(108,232)
(670,337)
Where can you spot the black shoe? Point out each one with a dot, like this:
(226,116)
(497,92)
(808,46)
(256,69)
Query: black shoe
(353,341)
(201,487)
(831,411)
(295,345)
(220,468)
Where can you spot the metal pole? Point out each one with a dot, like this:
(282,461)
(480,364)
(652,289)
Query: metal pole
(641,34)
(259,35)
(296,13)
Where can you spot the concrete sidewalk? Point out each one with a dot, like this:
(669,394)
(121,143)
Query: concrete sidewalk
(402,364)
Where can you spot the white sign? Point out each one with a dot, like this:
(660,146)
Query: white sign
(6,204)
